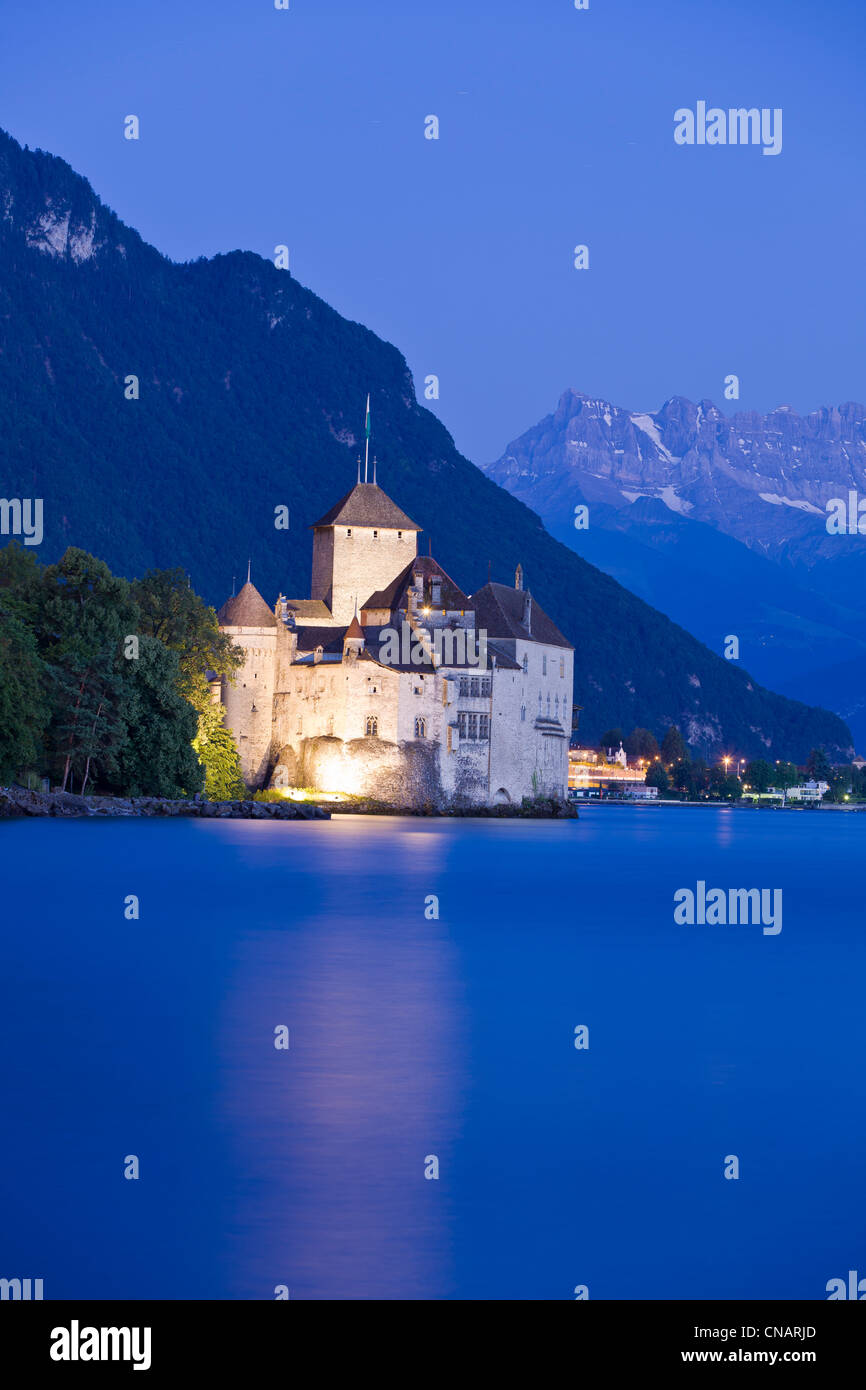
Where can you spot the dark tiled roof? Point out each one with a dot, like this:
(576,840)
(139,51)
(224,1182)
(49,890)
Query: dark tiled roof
(500,610)
(354,629)
(246,609)
(451,597)
(330,639)
(367,505)
(308,608)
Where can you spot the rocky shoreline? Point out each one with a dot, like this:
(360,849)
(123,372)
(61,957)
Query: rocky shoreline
(16,801)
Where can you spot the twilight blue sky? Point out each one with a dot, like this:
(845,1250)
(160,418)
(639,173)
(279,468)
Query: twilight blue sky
(305,127)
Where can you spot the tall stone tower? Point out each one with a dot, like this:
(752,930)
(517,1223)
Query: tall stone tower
(249,700)
(359,547)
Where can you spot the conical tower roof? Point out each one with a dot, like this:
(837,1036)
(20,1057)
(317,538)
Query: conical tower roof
(246,609)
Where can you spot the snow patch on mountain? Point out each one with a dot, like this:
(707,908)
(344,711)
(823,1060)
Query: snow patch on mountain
(649,427)
(668,495)
(778,501)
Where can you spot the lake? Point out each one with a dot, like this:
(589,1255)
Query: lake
(414,1038)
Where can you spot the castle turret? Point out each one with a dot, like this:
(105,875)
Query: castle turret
(248,700)
(360,545)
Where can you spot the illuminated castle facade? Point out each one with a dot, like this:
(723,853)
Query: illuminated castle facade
(391,682)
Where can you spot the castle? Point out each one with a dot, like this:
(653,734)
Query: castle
(390,682)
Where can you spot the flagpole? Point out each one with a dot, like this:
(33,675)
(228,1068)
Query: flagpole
(367,441)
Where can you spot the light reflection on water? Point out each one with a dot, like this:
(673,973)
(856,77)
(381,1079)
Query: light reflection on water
(413,1036)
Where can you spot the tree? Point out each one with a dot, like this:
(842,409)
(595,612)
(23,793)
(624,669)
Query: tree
(674,747)
(818,766)
(217,751)
(785,775)
(658,777)
(760,775)
(84,615)
(611,739)
(682,777)
(723,785)
(157,757)
(173,612)
(24,706)
(641,743)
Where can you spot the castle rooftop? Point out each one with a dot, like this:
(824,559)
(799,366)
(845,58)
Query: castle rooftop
(246,609)
(503,612)
(367,505)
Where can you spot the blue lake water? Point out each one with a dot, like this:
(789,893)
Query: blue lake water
(412,1037)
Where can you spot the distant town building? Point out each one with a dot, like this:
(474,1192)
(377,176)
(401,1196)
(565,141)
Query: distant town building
(807,791)
(587,772)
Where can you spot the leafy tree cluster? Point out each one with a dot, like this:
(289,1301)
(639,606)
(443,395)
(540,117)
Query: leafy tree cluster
(102,681)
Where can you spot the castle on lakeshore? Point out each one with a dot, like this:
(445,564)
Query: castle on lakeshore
(390,682)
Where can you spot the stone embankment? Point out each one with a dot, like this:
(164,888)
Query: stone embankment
(15,801)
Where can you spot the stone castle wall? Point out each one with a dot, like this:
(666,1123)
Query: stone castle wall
(352,567)
(248,700)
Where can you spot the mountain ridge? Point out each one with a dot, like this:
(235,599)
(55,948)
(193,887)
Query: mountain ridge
(251,393)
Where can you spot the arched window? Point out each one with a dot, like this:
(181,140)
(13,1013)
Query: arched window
(523,712)
(371,726)
(548,706)
(420,728)
(525,663)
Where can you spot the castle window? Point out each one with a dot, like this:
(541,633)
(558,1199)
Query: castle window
(562,668)
(523,712)
(475,686)
(548,706)
(557,706)
(485,685)
(473,726)
(399,535)
(371,726)
(420,728)
(461,724)
(484,726)
(525,663)
(539,704)
(544,664)
(464,685)
(437,592)
(349,533)
(375,535)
